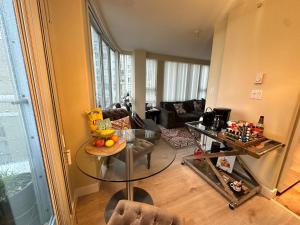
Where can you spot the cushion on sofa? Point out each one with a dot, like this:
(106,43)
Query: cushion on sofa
(121,124)
(197,106)
(187,117)
(188,106)
(115,114)
(179,108)
(168,106)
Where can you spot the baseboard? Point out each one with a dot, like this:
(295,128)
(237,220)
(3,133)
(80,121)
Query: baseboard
(267,192)
(86,190)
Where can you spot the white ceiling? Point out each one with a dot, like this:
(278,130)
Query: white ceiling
(165,26)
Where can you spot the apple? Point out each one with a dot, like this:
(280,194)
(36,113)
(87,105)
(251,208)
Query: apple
(99,143)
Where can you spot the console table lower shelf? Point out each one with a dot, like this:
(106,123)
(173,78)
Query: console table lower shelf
(221,180)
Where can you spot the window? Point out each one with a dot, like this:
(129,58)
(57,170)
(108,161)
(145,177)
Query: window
(114,77)
(106,71)
(151,74)
(106,75)
(183,81)
(96,46)
(125,75)
(2,132)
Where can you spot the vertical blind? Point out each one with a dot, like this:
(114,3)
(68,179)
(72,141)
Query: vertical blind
(112,71)
(151,74)
(183,81)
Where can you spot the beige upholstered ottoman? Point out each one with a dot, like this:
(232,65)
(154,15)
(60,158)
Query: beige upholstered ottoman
(136,213)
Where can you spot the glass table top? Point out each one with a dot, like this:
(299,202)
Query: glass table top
(145,155)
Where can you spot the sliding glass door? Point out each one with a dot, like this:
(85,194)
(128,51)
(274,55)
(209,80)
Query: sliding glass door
(24,192)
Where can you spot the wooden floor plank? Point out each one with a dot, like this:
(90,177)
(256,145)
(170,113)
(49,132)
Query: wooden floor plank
(291,199)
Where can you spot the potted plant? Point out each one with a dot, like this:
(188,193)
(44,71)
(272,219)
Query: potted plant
(17,199)
(5,210)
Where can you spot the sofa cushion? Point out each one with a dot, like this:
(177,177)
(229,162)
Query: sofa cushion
(115,114)
(121,124)
(188,106)
(168,106)
(179,108)
(187,117)
(202,103)
(197,106)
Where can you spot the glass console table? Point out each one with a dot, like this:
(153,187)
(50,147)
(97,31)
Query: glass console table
(205,164)
(144,156)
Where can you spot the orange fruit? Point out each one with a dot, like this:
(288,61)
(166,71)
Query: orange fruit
(109,143)
(115,138)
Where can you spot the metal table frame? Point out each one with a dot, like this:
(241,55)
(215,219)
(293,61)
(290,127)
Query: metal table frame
(204,167)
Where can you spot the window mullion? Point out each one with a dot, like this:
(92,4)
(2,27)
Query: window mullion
(110,76)
(117,75)
(102,73)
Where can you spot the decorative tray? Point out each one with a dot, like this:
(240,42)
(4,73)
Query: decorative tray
(106,151)
(240,143)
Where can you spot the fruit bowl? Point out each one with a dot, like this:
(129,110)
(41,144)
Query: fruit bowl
(103,149)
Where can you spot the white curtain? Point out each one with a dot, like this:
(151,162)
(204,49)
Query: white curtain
(183,81)
(151,74)
(203,82)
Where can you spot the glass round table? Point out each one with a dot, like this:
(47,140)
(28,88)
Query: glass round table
(145,155)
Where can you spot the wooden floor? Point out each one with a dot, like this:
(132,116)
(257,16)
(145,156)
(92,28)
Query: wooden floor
(179,190)
(291,198)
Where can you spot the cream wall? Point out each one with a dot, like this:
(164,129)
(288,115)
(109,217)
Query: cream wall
(216,62)
(68,37)
(265,39)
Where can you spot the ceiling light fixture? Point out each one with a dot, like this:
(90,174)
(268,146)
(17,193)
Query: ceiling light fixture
(259,3)
(197,33)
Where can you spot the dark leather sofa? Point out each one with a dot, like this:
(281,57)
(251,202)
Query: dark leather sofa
(170,119)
